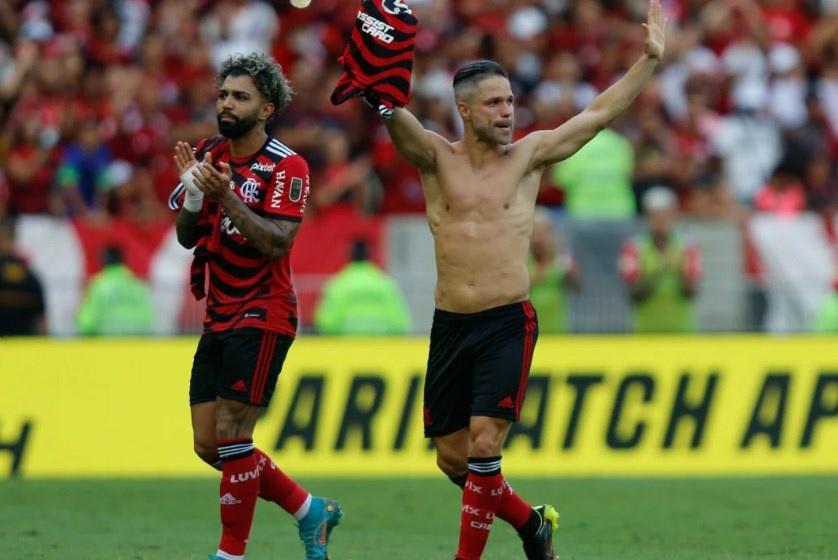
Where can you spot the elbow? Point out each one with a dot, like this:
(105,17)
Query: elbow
(276,252)
(185,241)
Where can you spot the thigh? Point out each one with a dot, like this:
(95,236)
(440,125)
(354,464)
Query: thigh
(236,419)
(206,371)
(502,367)
(250,365)
(447,393)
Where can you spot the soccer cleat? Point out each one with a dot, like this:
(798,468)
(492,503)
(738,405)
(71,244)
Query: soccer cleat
(540,545)
(316,527)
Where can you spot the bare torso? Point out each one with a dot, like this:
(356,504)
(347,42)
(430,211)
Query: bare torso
(481,220)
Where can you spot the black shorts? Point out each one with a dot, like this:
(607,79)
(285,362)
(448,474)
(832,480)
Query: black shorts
(241,365)
(478,365)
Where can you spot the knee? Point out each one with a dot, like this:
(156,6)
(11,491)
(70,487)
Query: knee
(452,464)
(484,444)
(206,450)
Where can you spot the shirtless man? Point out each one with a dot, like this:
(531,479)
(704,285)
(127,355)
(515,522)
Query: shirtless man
(480,193)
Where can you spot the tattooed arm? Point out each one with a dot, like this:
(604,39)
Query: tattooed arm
(270,236)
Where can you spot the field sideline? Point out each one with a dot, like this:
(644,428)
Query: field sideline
(415,519)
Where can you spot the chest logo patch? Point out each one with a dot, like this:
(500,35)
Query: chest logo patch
(250,191)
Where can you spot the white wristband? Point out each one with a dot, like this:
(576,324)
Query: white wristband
(194,199)
(193,202)
(188,179)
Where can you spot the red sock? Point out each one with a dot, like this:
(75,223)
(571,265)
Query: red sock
(239,490)
(513,508)
(481,498)
(275,486)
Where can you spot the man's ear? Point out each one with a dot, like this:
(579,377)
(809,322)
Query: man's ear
(464,109)
(268,110)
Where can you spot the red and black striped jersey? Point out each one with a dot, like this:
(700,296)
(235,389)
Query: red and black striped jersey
(245,289)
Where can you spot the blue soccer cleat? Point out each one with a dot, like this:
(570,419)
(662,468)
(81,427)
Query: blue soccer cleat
(316,527)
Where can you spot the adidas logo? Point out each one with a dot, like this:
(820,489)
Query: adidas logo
(506,402)
(229,500)
(239,386)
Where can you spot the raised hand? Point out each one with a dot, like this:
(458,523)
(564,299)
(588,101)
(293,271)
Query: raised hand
(655,31)
(184,157)
(212,182)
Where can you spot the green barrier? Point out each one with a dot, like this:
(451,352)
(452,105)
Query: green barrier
(595,406)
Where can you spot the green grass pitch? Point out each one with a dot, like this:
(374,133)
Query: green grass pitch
(416,519)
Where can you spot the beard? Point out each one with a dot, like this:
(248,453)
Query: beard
(494,136)
(237,127)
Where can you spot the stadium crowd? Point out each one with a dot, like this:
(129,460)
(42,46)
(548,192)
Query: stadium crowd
(741,119)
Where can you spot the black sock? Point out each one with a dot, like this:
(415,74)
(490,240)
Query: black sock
(531,527)
(459,480)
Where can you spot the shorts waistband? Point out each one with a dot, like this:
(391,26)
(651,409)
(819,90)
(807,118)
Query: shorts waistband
(507,310)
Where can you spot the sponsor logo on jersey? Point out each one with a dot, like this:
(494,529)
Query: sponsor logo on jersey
(264,167)
(279,189)
(296,191)
(250,191)
(376,28)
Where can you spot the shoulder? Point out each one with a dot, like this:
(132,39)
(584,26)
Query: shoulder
(284,156)
(278,150)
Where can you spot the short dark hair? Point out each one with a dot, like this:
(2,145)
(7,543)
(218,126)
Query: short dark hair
(473,72)
(266,74)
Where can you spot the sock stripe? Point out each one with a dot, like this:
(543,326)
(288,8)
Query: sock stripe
(484,466)
(235,449)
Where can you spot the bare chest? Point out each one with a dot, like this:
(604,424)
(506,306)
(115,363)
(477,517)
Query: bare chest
(492,192)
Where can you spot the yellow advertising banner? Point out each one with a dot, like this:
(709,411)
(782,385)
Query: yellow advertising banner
(353,407)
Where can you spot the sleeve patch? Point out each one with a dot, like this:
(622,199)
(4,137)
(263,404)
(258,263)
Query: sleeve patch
(296,191)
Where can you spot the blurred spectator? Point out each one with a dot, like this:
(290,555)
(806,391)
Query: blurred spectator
(362,300)
(552,274)
(660,270)
(783,194)
(748,142)
(16,64)
(83,172)
(787,91)
(654,149)
(30,167)
(116,303)
(597,178)
(821,180)
(343,181)
(21,296)
(239,26)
